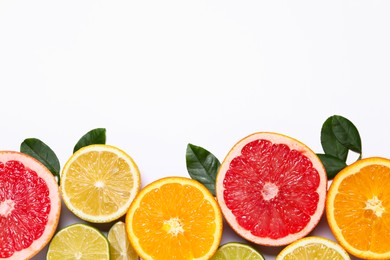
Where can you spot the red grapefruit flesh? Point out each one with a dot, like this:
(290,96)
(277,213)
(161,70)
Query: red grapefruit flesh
(30,206)
(271,189)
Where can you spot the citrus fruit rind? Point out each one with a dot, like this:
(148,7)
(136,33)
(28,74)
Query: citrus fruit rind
(30,205)
(120,247)
(271,189)
(313,247)
(358,206)
(236,250)
(79,241)
(99,182)
(174,218)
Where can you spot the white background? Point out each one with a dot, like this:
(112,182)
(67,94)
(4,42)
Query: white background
(161,74)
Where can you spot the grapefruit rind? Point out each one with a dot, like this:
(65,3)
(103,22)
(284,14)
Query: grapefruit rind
(55,202)
(293,144)
(137,202)
(123,209)
(337,232)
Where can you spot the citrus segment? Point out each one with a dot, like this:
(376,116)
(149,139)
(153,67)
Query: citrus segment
(29,205)
(310,248)
(358,207)
(174,218)
(99,183)
(79,241)
(120,248)
(271,189)
(234,251)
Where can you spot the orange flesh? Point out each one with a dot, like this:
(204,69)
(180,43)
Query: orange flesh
(175,222)
(362,207)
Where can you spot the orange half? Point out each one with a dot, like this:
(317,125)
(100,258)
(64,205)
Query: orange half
(174,218)
(358,208)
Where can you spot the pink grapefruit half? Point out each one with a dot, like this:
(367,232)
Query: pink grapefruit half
(30,206)
(271,189)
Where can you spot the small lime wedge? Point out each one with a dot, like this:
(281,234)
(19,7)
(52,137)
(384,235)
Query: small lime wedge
(235,250)
(120,248)
(79,241)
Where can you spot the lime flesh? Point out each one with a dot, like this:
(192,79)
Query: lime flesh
(234,250)
(79,241)
(120,247)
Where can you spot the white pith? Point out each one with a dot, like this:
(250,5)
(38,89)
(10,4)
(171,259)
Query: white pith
(78,255)
(293,145)
(6,207)
(81,237)
(55,200)
(313,240)
(157,185)
(357,166)
(269,191)
(375,205)
(173,226)
(100,184)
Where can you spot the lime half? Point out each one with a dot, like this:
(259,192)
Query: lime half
(235,250)
(79,241)
(120,247)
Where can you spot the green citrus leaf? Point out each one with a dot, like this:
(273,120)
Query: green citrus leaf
(329,142)
(43,153)
(95,136)
(202,166)
(332,164)
(346,133)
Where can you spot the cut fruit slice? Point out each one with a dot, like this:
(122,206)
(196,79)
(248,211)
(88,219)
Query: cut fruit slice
(30,205)
(79,241)
(271,189)
(310,248)
(174,218)
(99,182)
(120,248)
(358,207)
(234,251)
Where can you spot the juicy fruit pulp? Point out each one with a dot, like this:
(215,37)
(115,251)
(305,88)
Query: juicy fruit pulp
(29,206)
(99,182)
(174,218)
(78,242)
(24,207)
(358,208)
(234,251)
(120,248)
(285,192)
(271,189)
(313,248)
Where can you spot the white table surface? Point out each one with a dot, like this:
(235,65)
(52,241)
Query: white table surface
(161,74)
